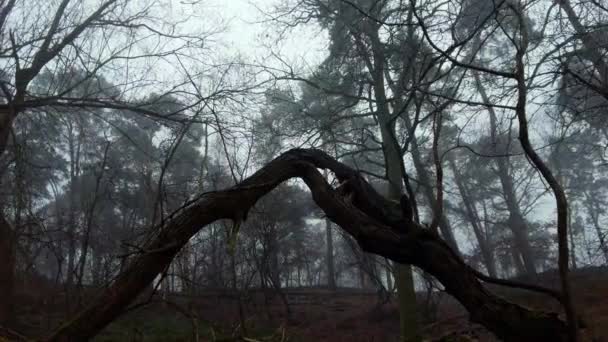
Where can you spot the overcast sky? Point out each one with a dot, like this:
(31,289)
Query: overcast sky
(249,33)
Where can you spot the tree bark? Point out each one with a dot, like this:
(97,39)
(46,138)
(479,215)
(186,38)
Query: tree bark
(517,222)
(561,202)
(373,221)
(406,293)
(331,276)
(8,241)
(425,183)
(594,213)
(473,218)
(273,262)
(7,272)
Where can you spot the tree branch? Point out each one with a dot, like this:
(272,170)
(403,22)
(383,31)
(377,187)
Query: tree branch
(372,220)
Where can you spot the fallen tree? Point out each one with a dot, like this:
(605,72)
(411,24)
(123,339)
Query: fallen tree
(374,222)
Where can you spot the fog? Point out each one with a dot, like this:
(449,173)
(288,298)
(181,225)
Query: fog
(311,170)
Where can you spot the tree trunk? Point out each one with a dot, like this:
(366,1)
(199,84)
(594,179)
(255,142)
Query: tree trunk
(8,245)
(517,223)
(594,213)
(331,276)
(375,223)
(572,249)
(473,218)
(519,265)
(237,293)
(425,182)
(561,201)
(404,279)
(8,240)
(363,278)
(389,279)
(275,275)
(74,155)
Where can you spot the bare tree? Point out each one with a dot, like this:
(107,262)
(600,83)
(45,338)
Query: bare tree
(37,37)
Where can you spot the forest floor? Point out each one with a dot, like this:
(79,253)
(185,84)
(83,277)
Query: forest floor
(315,315)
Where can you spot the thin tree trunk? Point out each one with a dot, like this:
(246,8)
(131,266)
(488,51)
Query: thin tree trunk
(389,279)
(593,210)
(274,256)
(517,223)
(572,249)
(425,184)
(74,153)
(404,279)
(8,240)
(473,218)
(517,262)
(561,201)
(362,276)
(237,294)
(331,276)
(8,245)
